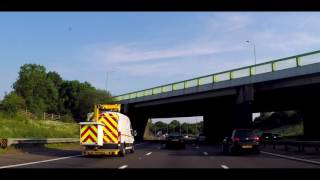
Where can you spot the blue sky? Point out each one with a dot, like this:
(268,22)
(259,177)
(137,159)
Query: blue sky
(146,49)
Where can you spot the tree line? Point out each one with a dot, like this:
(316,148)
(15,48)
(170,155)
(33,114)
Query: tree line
(41,91)
(270,120)
(175,126)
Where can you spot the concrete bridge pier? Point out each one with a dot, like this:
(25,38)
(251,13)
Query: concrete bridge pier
(242,116)
(138,120)
(216,124)
(242,113)
(311,122)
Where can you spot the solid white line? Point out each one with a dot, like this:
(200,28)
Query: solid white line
(148,153)
(205,153)
(124,166)
(224,166)
(292,158)
(38,162)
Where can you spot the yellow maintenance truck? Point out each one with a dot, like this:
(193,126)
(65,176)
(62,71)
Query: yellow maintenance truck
(107,132)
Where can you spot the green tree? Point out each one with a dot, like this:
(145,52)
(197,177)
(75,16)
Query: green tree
(174,126)
(39,92)
(55,78)
(78,98)
(12,103)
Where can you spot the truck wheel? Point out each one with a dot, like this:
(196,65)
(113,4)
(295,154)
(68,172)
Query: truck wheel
(122,151)
(132,150)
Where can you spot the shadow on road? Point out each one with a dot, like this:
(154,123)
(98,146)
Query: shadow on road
(40,149)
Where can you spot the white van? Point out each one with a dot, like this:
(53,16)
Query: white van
(110,134)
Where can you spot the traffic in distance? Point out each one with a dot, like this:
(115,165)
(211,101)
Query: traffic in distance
(109,132)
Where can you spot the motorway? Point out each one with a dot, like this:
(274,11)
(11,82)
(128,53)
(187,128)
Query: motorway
(147,155)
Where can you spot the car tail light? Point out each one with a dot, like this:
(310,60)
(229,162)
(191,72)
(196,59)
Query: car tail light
(256,138)
(236,139)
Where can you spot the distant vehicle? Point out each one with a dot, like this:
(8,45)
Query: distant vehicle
(175,140)
(270,136)
(241,140)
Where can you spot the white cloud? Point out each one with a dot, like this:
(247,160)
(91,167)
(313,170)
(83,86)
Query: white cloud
(124,53)
(229,22)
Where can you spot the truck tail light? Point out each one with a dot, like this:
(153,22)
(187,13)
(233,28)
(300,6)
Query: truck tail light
(119,136)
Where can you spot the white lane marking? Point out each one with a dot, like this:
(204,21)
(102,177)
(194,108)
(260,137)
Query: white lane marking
(224,166)
(292,158)
(148,154)
(197,147)
(38,162)
(124,166)
(205,153)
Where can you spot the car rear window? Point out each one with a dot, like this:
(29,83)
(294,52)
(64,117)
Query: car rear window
(244,133)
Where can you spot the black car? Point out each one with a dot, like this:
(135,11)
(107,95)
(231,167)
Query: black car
(270,136)
(175,141)
(241,140)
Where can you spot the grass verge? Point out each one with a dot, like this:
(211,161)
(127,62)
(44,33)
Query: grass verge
(21,127)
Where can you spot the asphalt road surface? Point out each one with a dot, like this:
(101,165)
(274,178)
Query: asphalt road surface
(148,155)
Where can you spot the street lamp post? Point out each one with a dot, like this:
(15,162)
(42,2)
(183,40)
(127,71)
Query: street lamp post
(107,76)
(254,51)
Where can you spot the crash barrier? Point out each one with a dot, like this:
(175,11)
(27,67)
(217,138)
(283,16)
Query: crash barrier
(286,143)
(24,141)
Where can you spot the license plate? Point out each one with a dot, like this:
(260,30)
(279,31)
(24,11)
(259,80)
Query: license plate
(247,146)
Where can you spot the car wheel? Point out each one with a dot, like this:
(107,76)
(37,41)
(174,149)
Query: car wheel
(132,150)
(233,151)
(183,146)
(257,151)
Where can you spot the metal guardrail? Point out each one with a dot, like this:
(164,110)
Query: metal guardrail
(299,144)
(23,141)
(271,66)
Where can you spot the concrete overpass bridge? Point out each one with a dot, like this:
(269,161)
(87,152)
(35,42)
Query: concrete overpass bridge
(227,99)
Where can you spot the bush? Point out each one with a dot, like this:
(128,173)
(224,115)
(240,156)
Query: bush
(12,102)
(67,118)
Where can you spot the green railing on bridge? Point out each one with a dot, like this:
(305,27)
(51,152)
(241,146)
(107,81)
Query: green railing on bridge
(271,66)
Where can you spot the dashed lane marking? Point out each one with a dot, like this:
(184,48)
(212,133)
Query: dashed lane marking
(123,167)
(224,166)
(148,154)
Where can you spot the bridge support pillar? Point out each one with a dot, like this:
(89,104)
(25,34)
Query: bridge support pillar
(242,113)
(216,125)
(311,122)
(138,122)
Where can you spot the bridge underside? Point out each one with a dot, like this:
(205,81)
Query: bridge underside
(233,107)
